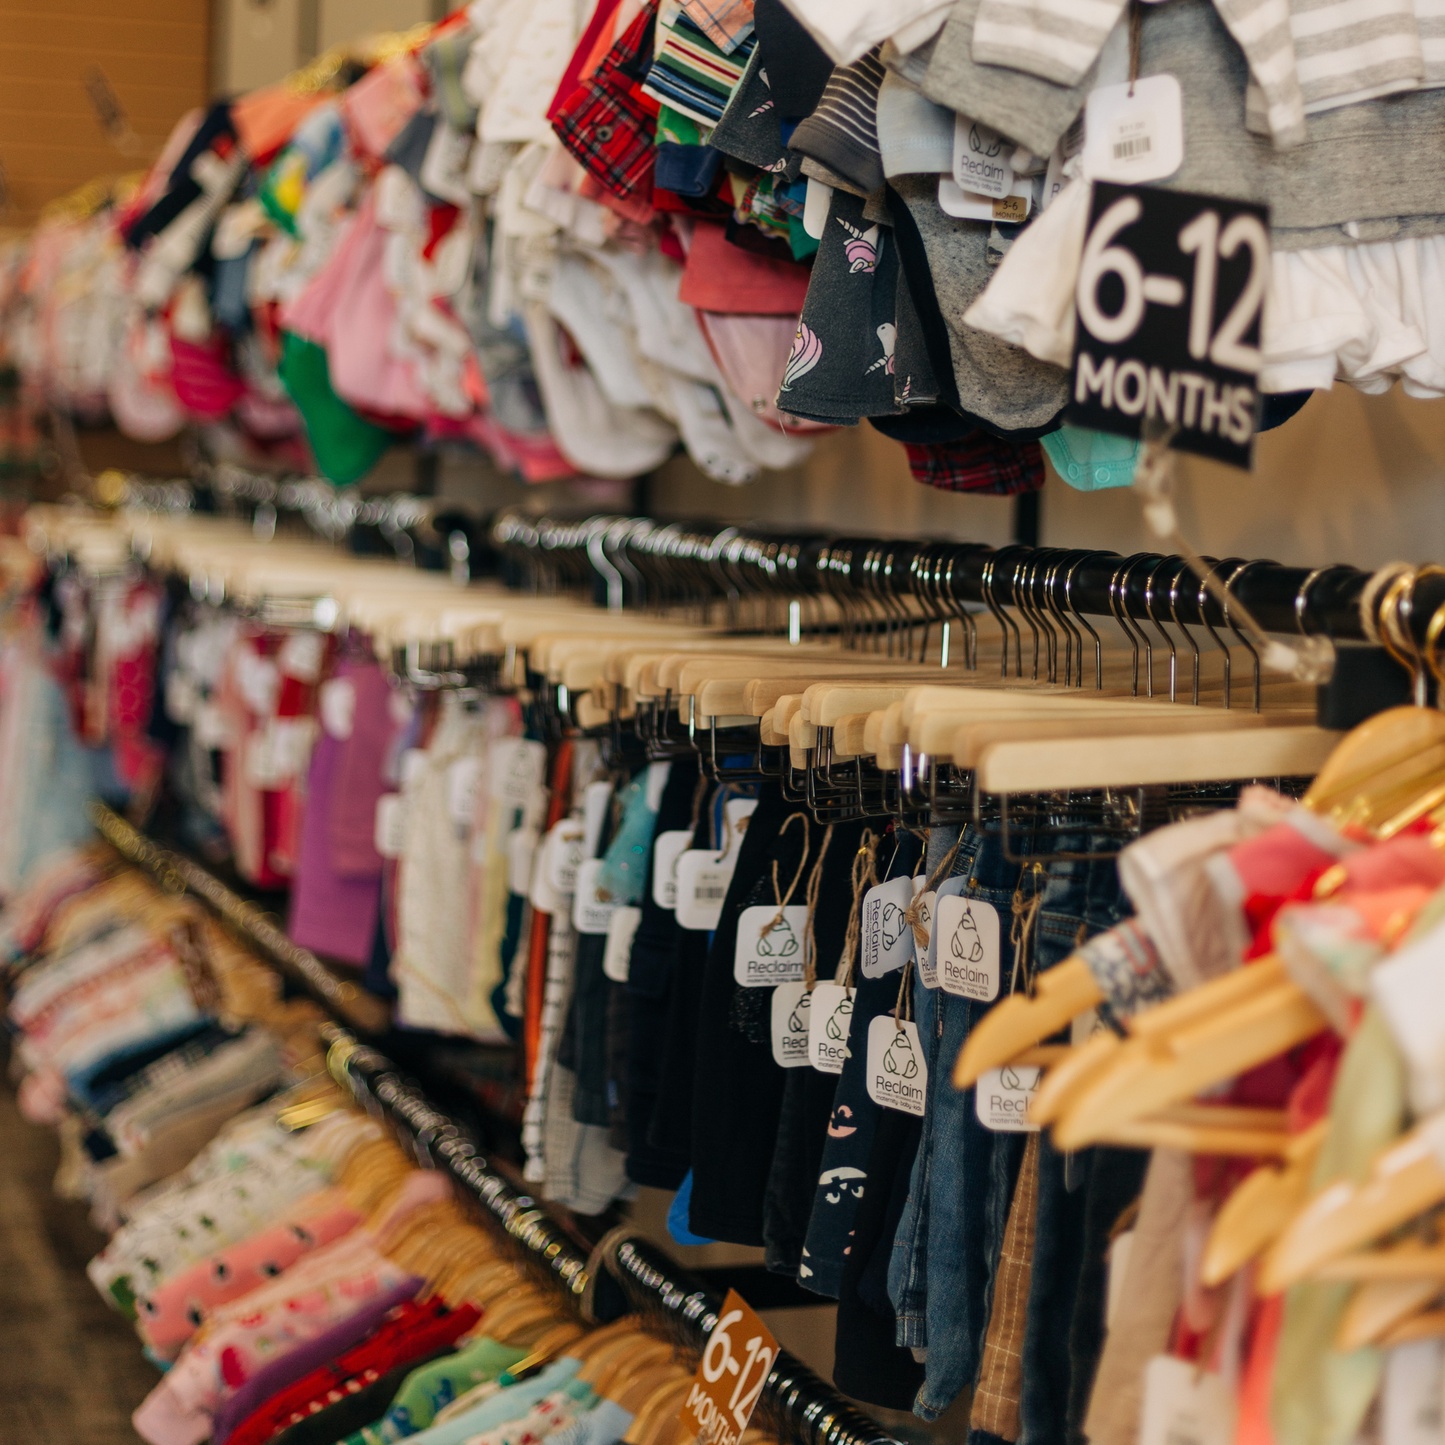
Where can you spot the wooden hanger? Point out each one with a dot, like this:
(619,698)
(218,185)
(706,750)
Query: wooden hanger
(656,1421)
(1380,1306)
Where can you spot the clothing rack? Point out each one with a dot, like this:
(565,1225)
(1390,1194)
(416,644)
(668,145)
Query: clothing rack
(643,561)
(623,1274)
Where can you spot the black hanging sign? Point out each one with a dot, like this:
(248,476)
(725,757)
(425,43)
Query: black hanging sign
(1170,299)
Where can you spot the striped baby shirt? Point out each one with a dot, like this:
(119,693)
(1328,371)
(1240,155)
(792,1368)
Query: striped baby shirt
(842,133)
(692,74)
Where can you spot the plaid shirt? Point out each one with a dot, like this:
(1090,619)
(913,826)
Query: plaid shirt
(979,463)
(607,124)
(727,23)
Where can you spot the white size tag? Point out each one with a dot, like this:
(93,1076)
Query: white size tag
(967,956)
(928,960)
(667,849)
(592,907)
(887,938)
(1184,1405)
(815,208)
(464,781)
(390,827)
(761,959)
(657,774)
(1001,1099)
(1134,133)
(211,727)
(828,1021)
(953,200)
(565,855)
(518,766)
(541,892)
(594,814)
(981,159)
(521,851)
(897,1074)
(621,930)
(336,702)
(410,766)
(702,884)
(792,1008)
(1410,1398)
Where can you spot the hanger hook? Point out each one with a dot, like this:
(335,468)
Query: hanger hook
(1234,626)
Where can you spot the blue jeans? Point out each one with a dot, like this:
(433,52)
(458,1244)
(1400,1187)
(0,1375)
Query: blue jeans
(946,1249)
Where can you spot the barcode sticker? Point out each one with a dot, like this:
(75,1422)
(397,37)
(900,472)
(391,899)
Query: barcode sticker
(1134,132)
(702,885)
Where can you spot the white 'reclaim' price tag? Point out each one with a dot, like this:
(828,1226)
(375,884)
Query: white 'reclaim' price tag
(967,955)
(565,856)
(830,1015)
(1410,1399)
(928,965)
(981,159)
(518,766)
(390,828)
(761,959)
(592,907)
(1184,1405)
(887,938)
(897,1073)
(464,780)
(1134,133)
(702,884)
(410,766)
(953,200)
(668,848)
(621,930)
(1001,1099)
(792,1008)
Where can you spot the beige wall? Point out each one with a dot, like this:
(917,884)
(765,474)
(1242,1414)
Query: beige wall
(155,54)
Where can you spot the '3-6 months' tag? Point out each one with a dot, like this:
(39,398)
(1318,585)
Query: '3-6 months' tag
(831,1014)
(967,952)
(897,1074)
(792,1007)
(1001,1099)
(764,958)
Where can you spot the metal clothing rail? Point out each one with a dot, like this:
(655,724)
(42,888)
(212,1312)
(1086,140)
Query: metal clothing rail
(623,1274)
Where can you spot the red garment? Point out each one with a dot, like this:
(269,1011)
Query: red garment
(410,1332)
(1257,1385)
(724,278)
(983,464)
(572,76)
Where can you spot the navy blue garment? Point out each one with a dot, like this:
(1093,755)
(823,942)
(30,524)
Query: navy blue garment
(843,1172)
(686,170)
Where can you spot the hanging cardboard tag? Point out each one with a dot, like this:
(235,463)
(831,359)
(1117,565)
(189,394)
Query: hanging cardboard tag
(518,767)
(928,959)
(410,767)
(565,855)
(521,850)
(621,929)
(760,959)
(668,848)
(702,884)
(336,705)
(981,159)
(815,208)
(1184,1405)
(792,1008)
(464,781)
(897,1074)
(828,1021)
(543,893)
(967,955)
(887,938)
(730,1376)
(656,781)
(1134,132)
(389,831)
(1001,1099)
(592,906)
(1410,1398)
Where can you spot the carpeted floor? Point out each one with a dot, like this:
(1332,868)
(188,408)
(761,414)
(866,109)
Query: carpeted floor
(71,1369)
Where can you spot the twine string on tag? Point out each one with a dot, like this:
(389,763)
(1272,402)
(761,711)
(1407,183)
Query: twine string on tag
(1025,915)
(905,996)
(782,899)
(815,883)
(910,917)
(865,871)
